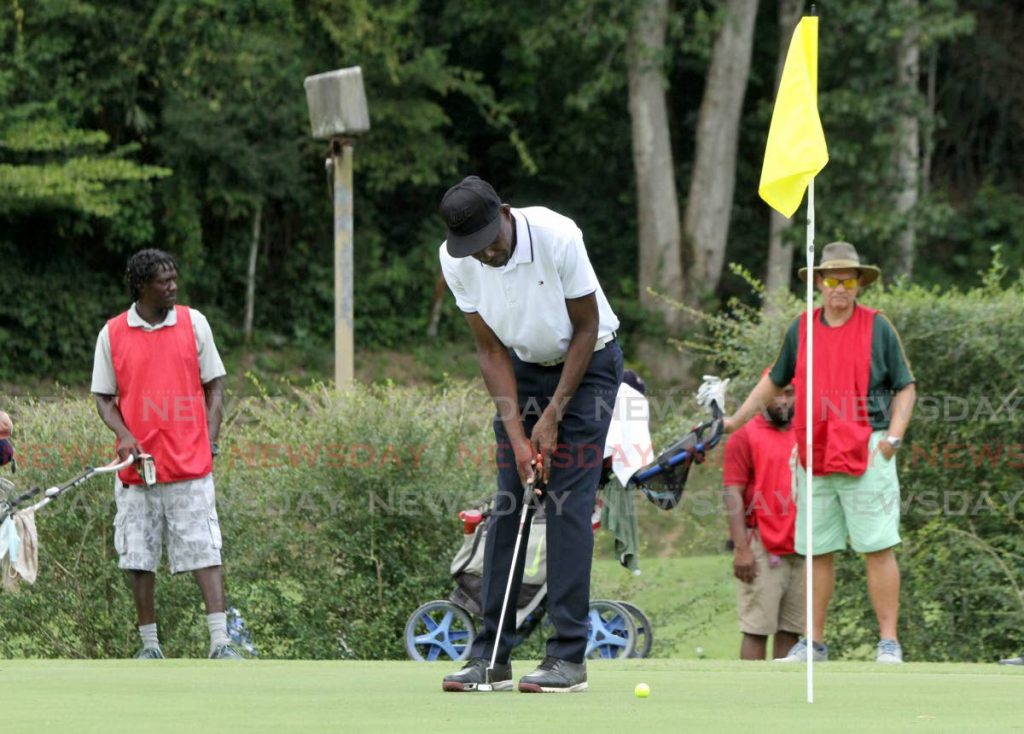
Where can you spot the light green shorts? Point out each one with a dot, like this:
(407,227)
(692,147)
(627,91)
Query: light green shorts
(865,509)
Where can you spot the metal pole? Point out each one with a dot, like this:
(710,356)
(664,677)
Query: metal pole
(809,417)
(809,450)
(341,153)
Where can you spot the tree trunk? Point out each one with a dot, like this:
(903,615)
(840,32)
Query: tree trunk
(657,203)
(928,136)
(436,303)
(250,277)
(780,254)
(709,205)
(908,140)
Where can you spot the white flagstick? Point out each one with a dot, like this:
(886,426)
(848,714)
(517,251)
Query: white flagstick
(809,409)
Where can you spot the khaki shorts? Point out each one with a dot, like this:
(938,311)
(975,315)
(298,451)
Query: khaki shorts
(865,509)
(181,514)
(774,601)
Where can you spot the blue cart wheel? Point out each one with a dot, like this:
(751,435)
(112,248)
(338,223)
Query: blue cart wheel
(644,630)
(439,630)
(612,632)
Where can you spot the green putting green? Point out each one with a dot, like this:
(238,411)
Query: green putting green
(699,696)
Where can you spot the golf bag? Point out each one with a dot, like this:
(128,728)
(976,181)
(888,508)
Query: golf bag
(467,568)
(663,480)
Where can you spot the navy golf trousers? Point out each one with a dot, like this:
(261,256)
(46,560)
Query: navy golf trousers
(568,505)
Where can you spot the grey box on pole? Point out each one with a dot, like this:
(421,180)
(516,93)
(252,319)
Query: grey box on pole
(337,103)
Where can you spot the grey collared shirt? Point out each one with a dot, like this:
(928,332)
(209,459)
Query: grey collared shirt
(104,381)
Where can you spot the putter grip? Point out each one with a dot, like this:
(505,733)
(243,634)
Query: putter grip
(26,496)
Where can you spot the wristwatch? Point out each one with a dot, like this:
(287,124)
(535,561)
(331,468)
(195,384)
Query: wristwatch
(894,441)
(214,448)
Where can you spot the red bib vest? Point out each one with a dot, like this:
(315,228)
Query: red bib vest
(842,373)
(161,396)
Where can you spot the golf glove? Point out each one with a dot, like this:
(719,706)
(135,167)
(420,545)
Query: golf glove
(712,391)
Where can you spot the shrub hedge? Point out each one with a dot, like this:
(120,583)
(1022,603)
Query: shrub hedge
(338,513)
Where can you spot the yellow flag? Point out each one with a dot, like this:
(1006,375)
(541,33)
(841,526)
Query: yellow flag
(796,142)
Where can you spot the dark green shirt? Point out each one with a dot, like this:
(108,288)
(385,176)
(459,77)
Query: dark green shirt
(890,370)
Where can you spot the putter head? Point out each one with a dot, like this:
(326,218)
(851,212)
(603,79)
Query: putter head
(147,468)
(488,685)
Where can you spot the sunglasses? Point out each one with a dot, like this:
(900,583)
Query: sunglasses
(848,283)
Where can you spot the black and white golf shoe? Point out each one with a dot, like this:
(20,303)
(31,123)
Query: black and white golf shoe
(555,675)
(473,677)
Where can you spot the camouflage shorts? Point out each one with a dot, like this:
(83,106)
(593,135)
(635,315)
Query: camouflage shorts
(181,514)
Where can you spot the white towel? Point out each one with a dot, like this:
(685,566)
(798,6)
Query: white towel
(26,566)
(629,436)
(10,543)
(28,558)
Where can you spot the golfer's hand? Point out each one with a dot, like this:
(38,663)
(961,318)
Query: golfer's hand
(526,460)
(743,565)
(544,439)
(129,445)
(886,450)
(539,467)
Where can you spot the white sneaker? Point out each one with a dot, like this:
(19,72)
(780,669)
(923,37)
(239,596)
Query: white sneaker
(889,652)
(798,653)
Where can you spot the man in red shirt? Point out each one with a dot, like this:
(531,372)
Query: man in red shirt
(759,504)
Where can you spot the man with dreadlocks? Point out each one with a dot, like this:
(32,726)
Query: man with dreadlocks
(157,383)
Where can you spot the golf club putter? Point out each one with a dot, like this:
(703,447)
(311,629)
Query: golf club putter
(524,517)
(149,470)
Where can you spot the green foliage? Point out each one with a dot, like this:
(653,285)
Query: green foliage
(41,324)
(50,155)
(99,103)
(960,469)
(79,183)
(860,104)
(994,216)
(47,163)
(49,136)
(338,512)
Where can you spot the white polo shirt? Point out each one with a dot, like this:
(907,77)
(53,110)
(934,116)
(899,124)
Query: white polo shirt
(104,381)
(524,301)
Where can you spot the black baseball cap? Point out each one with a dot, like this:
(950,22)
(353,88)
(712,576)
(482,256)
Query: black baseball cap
(472,211)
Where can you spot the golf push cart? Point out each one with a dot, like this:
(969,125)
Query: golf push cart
(444,629)
(12,503)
